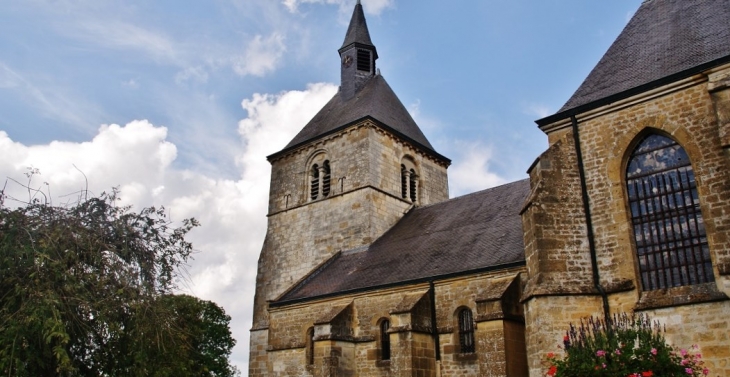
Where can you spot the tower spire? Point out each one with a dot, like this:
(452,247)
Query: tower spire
(357,31)
(357,54)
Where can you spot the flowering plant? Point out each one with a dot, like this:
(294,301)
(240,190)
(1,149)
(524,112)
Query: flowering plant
(626,345)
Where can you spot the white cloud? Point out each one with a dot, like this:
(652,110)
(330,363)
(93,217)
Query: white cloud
(138,158)
(471,171)
(262,56)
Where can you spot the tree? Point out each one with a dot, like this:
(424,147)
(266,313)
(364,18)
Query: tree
(87,290)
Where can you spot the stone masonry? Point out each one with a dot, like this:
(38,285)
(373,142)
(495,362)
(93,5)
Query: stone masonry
(694,112)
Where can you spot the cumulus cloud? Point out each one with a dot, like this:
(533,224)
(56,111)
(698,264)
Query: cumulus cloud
(471,171)
(262,55)
(138,159)
(374,7)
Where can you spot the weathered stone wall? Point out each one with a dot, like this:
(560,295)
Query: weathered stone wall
(554,224)
(413,350)
(364,201)
(360,156)
(694,113)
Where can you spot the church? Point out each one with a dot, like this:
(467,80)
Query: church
(369,269)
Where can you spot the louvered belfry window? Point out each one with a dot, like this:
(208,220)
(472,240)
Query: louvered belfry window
(384,340)
(326,179)
(403,182)
(669,232)
(466,331)
(363,60)
(413,186)
(314,187)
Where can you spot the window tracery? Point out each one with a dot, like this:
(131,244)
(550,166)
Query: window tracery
(669,231)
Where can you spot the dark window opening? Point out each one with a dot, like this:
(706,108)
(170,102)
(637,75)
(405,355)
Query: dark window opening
(326,179)
(310,346)
(669,232)
(384,340)
(314,189)
(413,185)
(403,182)
(466,332)
(363,60)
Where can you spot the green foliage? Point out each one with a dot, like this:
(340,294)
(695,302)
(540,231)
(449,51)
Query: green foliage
(626,346)
(86,290)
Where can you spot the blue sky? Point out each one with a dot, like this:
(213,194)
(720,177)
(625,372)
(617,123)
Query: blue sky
(179,102)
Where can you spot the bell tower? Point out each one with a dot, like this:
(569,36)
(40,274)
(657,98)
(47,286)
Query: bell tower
(357,54)
(346,178)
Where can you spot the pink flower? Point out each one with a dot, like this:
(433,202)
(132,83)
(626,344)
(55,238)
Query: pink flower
(618,352)
(688,370)
(684,361)
(604,365)
(683,352)
(699,356)
(705,371)
(653,351)
(600,353)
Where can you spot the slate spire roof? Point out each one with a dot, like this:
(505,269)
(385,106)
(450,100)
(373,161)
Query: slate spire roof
(375,100)
(665,40)
(357,32)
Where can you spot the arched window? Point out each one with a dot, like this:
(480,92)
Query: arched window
(310,346)
(408,180)
(413,185)
(314,186)
(403,181)
(326,179)
(466,331)
(671,244)
(384,340)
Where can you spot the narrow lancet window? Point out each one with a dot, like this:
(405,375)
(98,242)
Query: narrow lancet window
(669,232)
(310,346)
(404,181)
(384,340)
(466,331)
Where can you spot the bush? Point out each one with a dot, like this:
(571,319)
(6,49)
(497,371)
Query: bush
(627,345)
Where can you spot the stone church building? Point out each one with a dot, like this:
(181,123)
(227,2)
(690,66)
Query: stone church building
(369,269)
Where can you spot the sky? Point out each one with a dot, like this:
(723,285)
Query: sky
(178,103)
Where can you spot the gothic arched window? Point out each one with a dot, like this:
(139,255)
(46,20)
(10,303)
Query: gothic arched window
(669,232)
(466,331)
(384,340)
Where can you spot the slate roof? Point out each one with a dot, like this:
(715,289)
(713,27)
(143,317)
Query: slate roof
(474,232)
(375,100)
(664,38)
(357,31)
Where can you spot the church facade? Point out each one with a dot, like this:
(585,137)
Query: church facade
(368,269)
